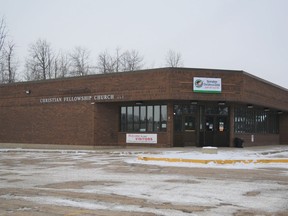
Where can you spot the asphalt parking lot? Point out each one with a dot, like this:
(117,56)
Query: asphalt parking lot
(108,182)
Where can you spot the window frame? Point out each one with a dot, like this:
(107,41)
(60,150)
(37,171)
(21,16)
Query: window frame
(155,118)
(257,120)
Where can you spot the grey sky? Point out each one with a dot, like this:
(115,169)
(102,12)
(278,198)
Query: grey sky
(250,35)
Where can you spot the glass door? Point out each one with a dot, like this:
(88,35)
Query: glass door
(185,125)
(209,131)
(189,124)
(221,135)
(216,127)
(189,135)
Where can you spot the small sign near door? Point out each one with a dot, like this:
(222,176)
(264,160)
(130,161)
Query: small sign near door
(141,138)
(221,126)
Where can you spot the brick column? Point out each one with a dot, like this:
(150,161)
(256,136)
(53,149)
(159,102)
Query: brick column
(170,127)
(231,125)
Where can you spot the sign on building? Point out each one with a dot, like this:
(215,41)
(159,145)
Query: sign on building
(207,85)
(141,138)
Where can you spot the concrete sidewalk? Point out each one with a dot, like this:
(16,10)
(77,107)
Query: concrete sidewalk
(152,150)
(196,155)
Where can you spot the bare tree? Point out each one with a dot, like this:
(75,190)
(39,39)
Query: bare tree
(80,61)
(3,33)
(132,60)
(105,63)
(174,59)
(121,61)
(117,62)
(9,64)
(62,65)
(39,64)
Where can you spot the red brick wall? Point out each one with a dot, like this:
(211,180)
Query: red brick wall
(24,119)
(259,139)
(53,123)
(283,119)
(181,81)
(263,93)
(106,121)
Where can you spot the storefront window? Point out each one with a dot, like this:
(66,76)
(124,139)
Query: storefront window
(143,124)
(144,118)
(255,121)
(150,118)
(136,121)
(129,118)
(163,117)
(156,118)
(216,110)
(244,120)
(261,122)
(123,118)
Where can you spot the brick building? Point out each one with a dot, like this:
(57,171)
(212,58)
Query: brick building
(163,107)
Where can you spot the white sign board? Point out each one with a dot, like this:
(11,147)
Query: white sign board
(207,85)
(141,138)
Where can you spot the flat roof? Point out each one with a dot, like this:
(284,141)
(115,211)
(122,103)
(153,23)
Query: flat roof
(150,70)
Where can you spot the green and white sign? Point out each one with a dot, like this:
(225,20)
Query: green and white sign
(207,85)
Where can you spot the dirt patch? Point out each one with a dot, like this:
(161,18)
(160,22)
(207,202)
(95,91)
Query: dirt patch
(256,213)
(183,181)
(78,184)
(18,196)
(252,193)
(14,180)
(27,208)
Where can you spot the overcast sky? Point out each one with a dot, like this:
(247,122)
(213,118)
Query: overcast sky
(249,35)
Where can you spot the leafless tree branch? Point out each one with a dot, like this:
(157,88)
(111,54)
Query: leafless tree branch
(3,33)
(173,59)
(121,61)
(39,64)
(80,61)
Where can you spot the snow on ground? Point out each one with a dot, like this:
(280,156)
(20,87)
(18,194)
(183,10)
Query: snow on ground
(278,152)
(224,196)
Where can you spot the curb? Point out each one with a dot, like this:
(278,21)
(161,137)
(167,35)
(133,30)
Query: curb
(245,161)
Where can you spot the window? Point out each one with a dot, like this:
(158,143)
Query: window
(255,121)
(150,118)
(123,119)
(163,117)
(129,118)
(216,110)
(185,117)
(244,120)
(156,121)
(143,124)
(136,121)
(189,124)
(261,121)
(143,118)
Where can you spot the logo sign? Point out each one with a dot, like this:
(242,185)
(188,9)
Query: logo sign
(207,85)
(141,138)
